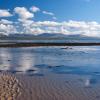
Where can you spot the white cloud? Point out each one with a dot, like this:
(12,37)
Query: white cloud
(55,18)
(34,9)
(4,21)
(47,23)
(7,29)
(26,25)
(70,27)
(48,13)
(23,13)
(5,13)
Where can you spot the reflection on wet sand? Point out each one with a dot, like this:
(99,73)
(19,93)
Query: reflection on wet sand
(11,61)
(5,57)
(51,59)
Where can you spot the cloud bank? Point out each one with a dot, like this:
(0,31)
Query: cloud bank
(25,24)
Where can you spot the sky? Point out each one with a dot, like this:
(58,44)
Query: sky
(50,16)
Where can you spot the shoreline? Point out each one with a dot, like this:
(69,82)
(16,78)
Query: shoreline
(23,44)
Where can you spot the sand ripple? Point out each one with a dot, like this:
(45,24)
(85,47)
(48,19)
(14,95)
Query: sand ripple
(10,87)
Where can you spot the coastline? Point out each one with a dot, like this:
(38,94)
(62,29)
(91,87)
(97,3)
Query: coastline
(23,44)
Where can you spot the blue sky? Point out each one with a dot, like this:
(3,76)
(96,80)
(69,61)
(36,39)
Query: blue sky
(50,16)
(87,10)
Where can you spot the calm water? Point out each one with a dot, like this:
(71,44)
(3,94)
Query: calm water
(82,61)
(53,40)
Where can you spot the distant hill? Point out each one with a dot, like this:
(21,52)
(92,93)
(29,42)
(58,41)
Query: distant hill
(48,36)
(2,35)
(63,36)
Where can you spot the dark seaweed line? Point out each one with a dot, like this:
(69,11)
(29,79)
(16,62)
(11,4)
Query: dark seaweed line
(46,44)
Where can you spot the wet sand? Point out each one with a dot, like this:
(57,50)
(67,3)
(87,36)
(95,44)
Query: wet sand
(49,87)
(39,74)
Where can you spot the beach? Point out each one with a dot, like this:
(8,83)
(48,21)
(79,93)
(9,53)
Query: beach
(54,87)
(50,73)
(49,50)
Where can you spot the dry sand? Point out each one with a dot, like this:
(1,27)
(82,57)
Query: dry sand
(10,87)
(46,87)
